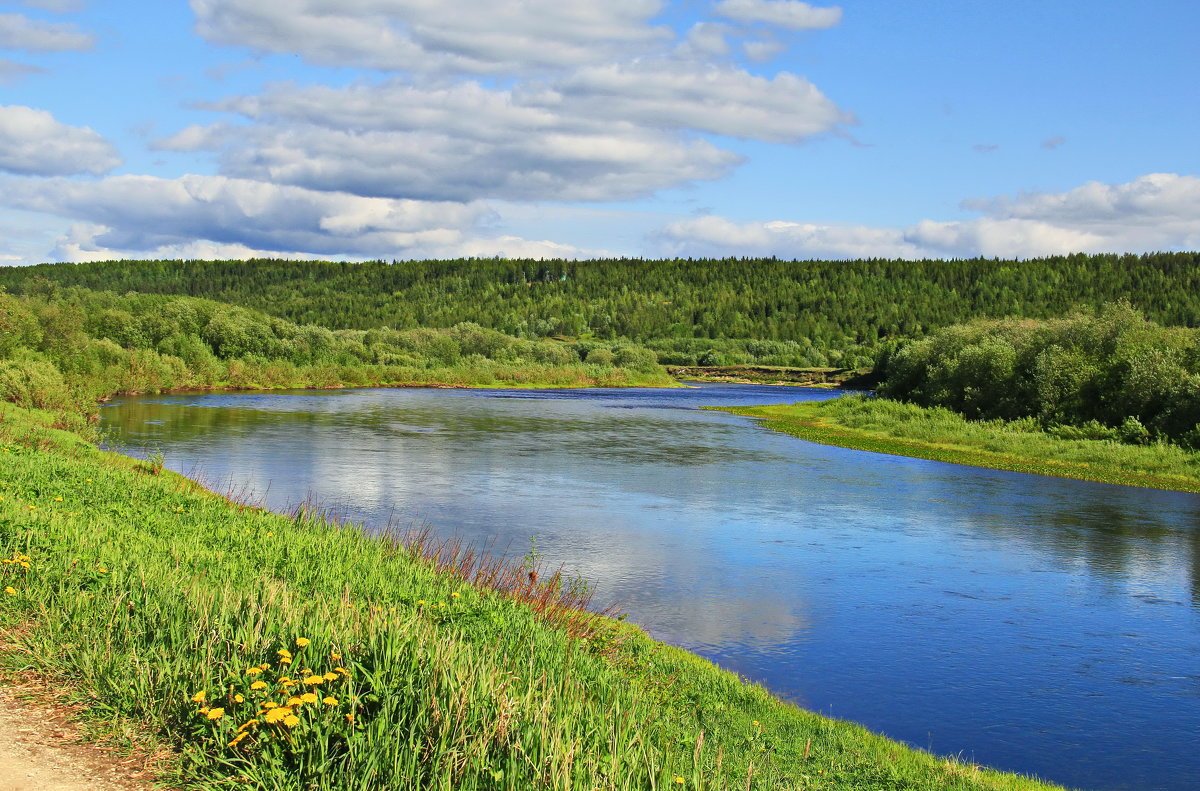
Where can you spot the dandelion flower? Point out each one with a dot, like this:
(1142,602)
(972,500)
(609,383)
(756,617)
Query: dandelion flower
(278,714)
(199,697)
(335,656)
(264,666)
(679,780)
(203,710)
(302,641)
(331,676)
(420,602)
(58,499)
(285,660)
(259,685)
(455,595)
(295,701)
(291,721)
(269,704)
(313,681)
(215,714)
(284,652)
(248,724)
(238,739)
(254,671)
(10,590)
(350,718)
(341,670)
(102,569)
(329,700)
(309,697)
(239,698)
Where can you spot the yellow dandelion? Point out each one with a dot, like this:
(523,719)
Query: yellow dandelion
(270,533)
(302,641)
(335,656)
(679,780)
(278,715)
(199,697)
(756,724)
(10,590)
(313,681)
(284,652)
(254,671)
(58,499)
(295,701)
(238,739)
(239,698)
(179,509)
(306,671)
(331,676)
(269,704)
(341,670)
(329,700)
(455,595)
(285,679)
(285,660)
(87,480)
(248,724)
(264,666)
(102,569)
(24,564)
(309,697)
(420,602)
(291,721)
(259,685)
(350,718)
(215,714)
(288,684)
(203,710)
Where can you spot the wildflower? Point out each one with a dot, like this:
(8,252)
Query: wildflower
(331,676)
(295,701)
(420,602)
(285,660)
(269,704)
(329,700)
(284,652)
(238,739)
(87,480)
(203,710)
(335,656)
(756,724)
(341,670)
(239,698)
(58,499)
(270,533)
(350,718)
(199,697)
(306,671)
(258,685)
(10,590)
(102,569)
(313,681)
(215,714)
(455,595)
(254,671)
(309,697)
(248,724)
(291,721)
(179,509)
(278,714)
(679,780)
(302,641)
(264,666)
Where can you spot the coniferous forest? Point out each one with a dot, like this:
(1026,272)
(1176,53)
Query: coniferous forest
(691,312)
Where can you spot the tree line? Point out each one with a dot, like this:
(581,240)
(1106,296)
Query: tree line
(719,312)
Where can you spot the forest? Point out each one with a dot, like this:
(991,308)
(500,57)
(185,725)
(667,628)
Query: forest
(691,312)
(64,351)
(1107,374)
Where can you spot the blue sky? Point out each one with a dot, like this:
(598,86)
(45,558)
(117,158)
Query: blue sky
(408,129)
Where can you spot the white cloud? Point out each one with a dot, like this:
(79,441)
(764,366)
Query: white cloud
(684,95)
(783,13)
(58,6)
(19,32)
(1155,212)
(762,50)
(469,36)
(456,143)
(32,142)
(213,216)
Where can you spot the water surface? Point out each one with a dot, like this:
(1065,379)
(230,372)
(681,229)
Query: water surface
(1034,624)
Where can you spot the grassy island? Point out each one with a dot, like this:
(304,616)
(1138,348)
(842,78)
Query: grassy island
(936,433)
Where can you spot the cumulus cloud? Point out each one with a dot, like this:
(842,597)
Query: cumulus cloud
(214,216)
(33,142)
(19,32)
(1155,212)
(599,134)
(470,36)
(789,14)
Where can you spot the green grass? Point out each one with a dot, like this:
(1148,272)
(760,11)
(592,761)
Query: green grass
(144,589)
(886,426)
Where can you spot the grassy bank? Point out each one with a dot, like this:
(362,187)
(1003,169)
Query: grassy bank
(292,653)
(885,426)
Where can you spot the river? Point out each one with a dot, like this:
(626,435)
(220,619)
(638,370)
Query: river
(1039,625)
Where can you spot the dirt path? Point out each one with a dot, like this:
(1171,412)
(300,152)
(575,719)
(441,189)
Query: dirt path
(42,750)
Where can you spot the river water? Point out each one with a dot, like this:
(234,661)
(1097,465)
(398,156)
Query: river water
(1039,625)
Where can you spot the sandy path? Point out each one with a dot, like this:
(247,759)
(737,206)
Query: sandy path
(41,750)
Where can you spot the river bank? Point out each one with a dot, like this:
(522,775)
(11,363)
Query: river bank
(159,603)
(884,426)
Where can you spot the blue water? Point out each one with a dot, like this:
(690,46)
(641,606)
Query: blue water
(1040,625)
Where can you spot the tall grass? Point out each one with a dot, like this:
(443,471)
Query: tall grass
(387,664)
(937,433)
